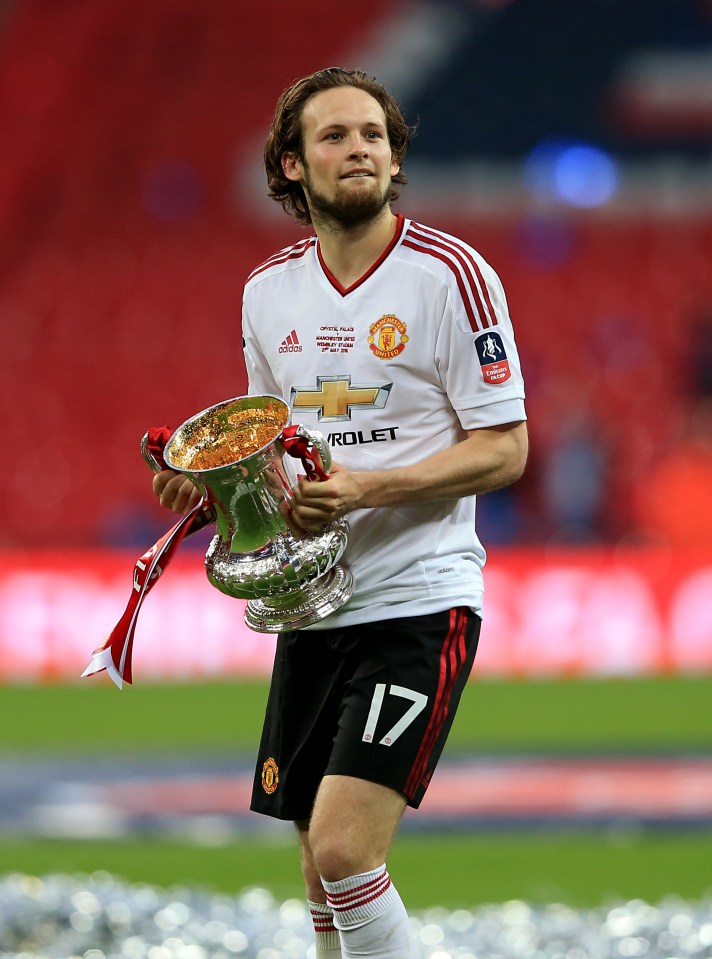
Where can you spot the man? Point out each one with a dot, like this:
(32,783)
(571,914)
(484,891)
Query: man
(393,339)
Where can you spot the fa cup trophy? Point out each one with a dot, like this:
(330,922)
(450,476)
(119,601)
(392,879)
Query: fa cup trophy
(234,454)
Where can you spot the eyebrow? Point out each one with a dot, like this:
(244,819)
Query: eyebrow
(375,124)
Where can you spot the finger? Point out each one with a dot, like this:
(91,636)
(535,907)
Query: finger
(175,493)
(305,523)
(160,480)
(308,491)
(194,498)
(169,491)
(186,497)
(311,515)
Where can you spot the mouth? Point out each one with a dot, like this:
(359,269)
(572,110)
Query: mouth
(355,174)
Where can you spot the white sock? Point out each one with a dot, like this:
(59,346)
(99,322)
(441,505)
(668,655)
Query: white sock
(370,916)
(328,943)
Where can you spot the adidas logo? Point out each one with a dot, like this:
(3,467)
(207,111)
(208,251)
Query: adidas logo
(290,344)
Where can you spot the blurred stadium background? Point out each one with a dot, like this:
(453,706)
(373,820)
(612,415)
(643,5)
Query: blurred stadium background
(571,143)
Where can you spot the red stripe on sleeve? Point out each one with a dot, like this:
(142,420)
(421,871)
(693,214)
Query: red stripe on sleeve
(291,253)
(471,315)
(460,252)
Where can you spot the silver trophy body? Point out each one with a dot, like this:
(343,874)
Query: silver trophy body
(290,579)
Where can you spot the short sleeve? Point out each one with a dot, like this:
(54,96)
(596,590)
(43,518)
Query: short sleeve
(259,377)
(476,353)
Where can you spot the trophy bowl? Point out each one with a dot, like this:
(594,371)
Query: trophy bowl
(234,453)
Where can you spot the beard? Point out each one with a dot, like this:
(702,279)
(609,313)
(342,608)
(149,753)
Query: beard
(347,208)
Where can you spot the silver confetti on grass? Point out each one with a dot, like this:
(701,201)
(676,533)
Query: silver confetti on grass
(102,917)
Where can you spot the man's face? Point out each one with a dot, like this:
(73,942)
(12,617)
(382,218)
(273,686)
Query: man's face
(347,166)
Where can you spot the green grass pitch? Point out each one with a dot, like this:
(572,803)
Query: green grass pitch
(580,868)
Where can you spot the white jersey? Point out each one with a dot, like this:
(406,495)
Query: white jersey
(394,368)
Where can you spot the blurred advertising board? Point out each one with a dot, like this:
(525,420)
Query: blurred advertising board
(583,612)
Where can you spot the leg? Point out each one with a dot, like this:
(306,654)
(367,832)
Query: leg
(351,831)
(352,826)
(358,717)
(327,940)
(312,879)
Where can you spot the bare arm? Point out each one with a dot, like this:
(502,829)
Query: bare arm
(487,460)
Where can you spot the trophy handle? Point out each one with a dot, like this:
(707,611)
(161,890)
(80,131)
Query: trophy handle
(310,447)
(151,442)
(148,446)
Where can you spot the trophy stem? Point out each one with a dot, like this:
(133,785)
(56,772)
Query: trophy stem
(233,452)
(301,607)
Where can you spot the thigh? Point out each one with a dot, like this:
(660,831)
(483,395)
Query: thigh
(400,702)
(352,826)
(300,722)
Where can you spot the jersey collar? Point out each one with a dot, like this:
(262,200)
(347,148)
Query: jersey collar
(345,290)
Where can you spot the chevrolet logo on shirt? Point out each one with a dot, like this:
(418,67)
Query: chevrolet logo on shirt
(334,397)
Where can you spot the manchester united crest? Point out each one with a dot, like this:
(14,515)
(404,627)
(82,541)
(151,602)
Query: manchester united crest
(270,776)
(387,337)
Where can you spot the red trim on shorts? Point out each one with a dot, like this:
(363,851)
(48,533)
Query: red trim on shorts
(452,658)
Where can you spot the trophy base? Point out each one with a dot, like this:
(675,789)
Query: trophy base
(301,607)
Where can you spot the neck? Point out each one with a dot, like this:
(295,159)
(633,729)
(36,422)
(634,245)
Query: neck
(350,251)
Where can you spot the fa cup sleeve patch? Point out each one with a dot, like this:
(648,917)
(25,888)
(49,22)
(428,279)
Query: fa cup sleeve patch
(492,357)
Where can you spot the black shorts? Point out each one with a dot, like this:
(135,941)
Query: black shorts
(374,701)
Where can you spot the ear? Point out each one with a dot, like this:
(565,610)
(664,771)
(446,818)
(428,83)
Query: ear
(292,166)
(395,166)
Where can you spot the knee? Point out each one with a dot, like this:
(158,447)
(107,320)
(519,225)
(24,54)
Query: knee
(335,856)
(352,826)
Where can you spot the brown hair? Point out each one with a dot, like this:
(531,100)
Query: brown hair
(285,134)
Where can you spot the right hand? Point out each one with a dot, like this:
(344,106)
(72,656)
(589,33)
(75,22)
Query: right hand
(321,501)
(175,491)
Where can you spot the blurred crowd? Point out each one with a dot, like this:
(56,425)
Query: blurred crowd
(132,208)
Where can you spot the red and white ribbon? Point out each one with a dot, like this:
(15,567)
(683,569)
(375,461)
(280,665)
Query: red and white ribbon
(115,654)
(299,444)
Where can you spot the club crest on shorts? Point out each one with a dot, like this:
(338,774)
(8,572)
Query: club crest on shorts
(387,337)
(270,776)
(492,357)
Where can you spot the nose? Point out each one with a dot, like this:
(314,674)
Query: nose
(358,146)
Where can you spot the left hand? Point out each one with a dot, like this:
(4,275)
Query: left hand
(175,491)
(322,501)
